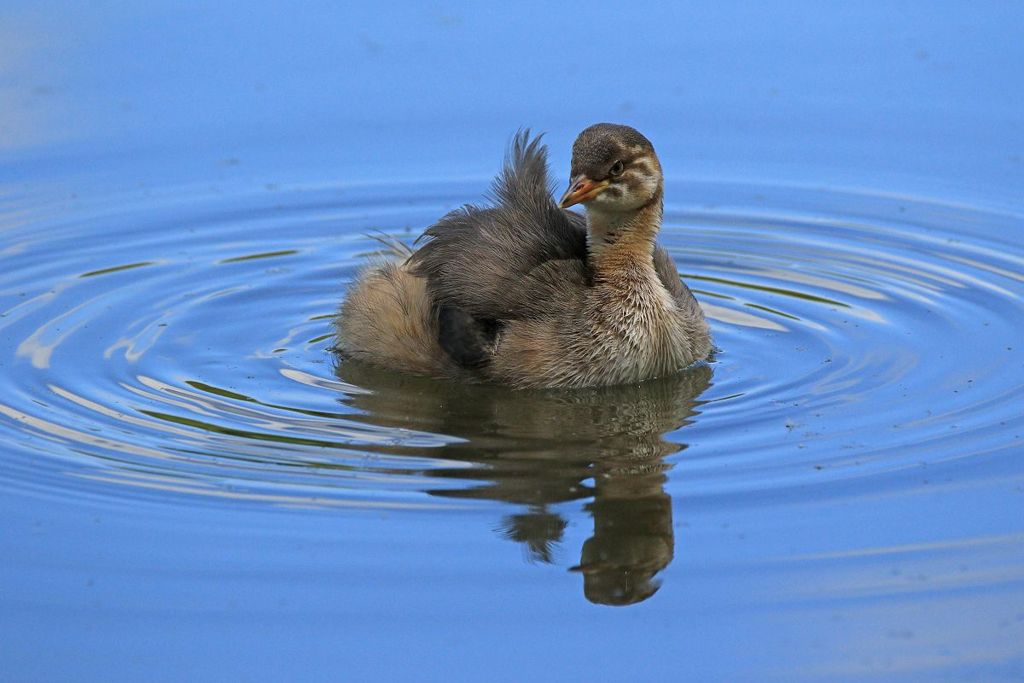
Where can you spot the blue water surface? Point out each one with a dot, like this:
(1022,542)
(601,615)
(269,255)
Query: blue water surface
(193,488)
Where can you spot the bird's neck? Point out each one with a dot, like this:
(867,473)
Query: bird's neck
(623,242)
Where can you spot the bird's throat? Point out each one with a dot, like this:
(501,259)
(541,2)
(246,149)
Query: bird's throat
(620,240)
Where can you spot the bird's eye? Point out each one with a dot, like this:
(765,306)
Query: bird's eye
(616,169)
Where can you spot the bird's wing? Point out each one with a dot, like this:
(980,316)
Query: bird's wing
(553,288)
(479,260)
(669,276)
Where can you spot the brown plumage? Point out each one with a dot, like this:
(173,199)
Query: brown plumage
(528,294)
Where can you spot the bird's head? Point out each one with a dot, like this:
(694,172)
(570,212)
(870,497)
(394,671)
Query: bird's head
(614,170)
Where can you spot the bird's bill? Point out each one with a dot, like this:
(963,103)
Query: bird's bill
(582,189)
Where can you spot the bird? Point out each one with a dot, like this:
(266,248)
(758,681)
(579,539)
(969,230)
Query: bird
(528,294)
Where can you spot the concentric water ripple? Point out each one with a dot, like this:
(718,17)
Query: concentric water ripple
(177,349)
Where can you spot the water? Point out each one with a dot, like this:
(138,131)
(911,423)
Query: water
(192,487)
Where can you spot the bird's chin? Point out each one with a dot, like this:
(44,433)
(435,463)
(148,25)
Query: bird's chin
(606,204)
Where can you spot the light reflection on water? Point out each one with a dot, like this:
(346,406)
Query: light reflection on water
(829,313)
(161,369)
(537,450)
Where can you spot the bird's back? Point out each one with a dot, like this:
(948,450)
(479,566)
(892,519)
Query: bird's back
(485,261)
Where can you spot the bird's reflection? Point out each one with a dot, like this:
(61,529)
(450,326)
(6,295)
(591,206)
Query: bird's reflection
(540,448)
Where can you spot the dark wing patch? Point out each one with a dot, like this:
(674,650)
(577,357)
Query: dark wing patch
(465,339)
